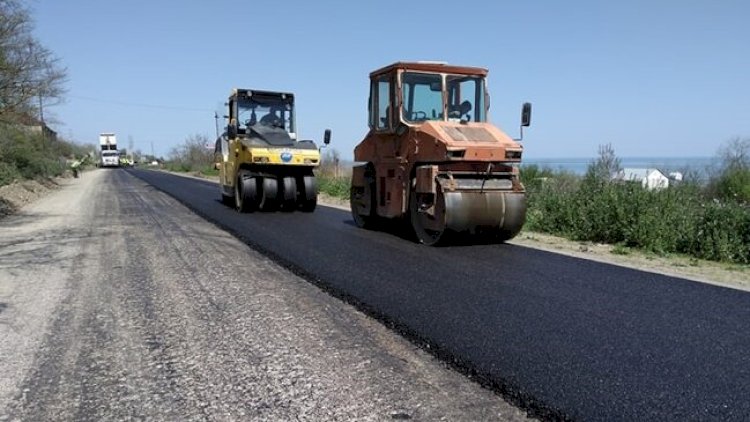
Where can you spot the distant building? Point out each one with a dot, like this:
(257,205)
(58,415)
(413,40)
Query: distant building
(35,126)
(47,133)
(648,178)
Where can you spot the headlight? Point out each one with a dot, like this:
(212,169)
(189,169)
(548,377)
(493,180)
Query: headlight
(512,155)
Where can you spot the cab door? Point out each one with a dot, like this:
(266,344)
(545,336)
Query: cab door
(222,162)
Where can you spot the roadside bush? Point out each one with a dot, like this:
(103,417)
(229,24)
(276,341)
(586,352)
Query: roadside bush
(192,155)
(333,174)
(732,180)
(179,166)
(533,177)
(549,203)
(8,173)
(734,185)
(679,219)
(209,171)
(660,221)
(27,155)
(723,233)
(337,187)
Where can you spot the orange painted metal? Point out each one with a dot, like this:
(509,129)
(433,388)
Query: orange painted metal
(450,146)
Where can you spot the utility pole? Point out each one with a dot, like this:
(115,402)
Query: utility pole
(41,120)
(216,119)
(130,148)
(41,110)
(153,157)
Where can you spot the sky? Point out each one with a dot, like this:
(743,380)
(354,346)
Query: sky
(656,78)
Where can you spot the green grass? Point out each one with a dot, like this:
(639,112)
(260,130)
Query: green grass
(680,219)
(178,167)
(209,171)
(620,250)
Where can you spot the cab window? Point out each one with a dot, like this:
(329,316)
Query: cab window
(423,97)
(384,102)
(466,98)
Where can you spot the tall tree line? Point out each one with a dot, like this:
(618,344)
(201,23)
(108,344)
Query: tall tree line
(31,76)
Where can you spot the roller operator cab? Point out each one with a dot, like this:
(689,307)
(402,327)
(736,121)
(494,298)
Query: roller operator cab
(262,165)
(431,156)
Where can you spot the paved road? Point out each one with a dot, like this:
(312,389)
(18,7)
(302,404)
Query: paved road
(117,303)
(563,337)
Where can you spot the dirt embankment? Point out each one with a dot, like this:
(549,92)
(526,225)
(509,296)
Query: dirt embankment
(14,196)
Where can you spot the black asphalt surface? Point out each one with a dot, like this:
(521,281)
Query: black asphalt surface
(565,338)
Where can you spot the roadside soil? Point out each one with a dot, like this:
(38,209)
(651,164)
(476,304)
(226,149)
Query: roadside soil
(16,195)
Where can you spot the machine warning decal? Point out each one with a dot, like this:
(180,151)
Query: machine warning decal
(286,157)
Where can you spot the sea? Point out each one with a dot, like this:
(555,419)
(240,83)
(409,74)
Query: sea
(695,167)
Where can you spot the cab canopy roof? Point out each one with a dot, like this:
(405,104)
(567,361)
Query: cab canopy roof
(432,67)
(242,92)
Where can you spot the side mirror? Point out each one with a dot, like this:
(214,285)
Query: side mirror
(232,130)
(526,114)
(327,136)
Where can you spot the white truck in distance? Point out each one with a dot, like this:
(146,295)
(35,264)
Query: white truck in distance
(110,156)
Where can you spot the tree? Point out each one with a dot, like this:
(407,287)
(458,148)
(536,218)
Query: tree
(329,163)
(29,73)
(605,166)
(735,154)
(734,181)
(195,153)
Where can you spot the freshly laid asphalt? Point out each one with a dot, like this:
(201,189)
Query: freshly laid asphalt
(562,337)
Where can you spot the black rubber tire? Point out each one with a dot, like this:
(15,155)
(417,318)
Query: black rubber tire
(361,220)
(288,194)
(309,194)
(246,192)
(309,205)
(269,194)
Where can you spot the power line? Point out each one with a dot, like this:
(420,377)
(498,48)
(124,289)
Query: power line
(129,104)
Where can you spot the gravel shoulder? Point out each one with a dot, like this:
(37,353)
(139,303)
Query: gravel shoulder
(39,251)
(118,303)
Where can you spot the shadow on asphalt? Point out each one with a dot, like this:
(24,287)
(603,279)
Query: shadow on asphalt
(401,228)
